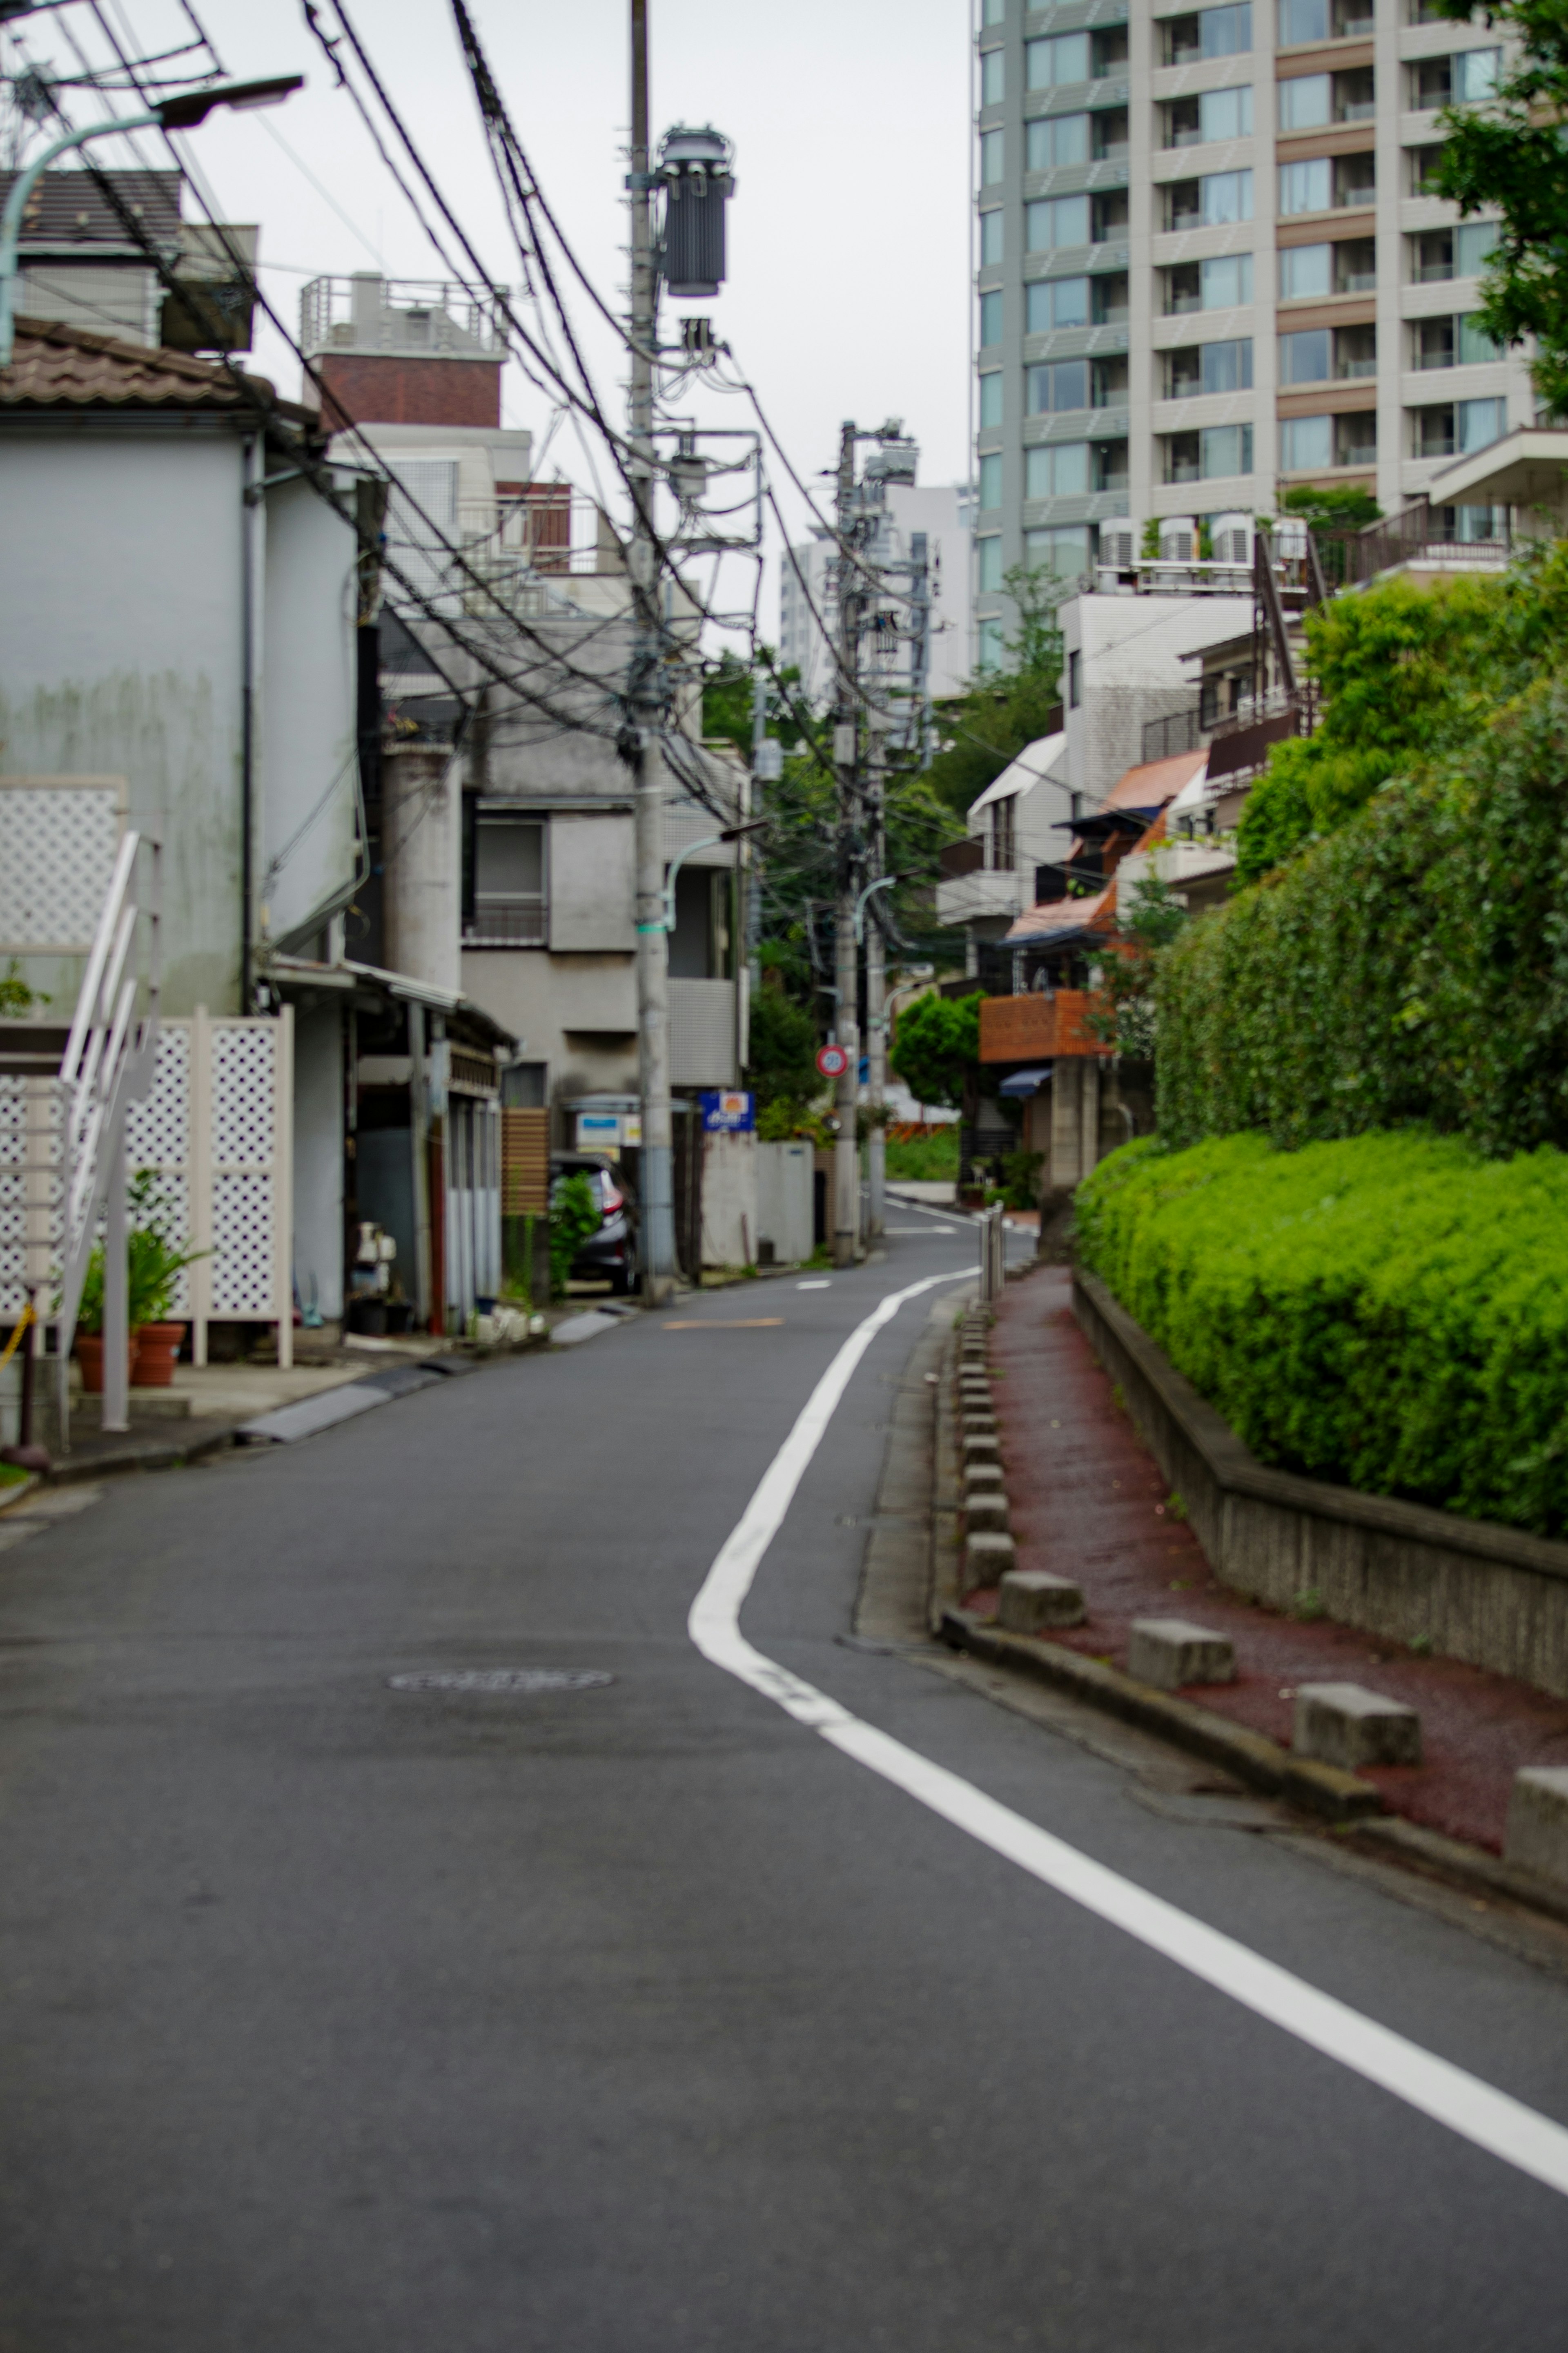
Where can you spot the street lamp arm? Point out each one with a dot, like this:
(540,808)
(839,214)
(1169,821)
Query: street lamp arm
(709,842)
(883,882)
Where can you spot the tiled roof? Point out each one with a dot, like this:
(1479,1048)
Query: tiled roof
(67,367)
(1065,919)
(70,208)
(1155,782)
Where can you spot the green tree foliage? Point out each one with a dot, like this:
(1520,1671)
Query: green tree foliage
(1125,1019)
(1405,677)
(782,1060)
(1390,1312)
(1330,507)
(937,1046)
(1510,156)
(575,1214)
(16,997)
(982,731)
(727,702)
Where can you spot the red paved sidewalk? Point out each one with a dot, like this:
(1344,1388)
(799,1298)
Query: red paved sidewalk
(1088,1502)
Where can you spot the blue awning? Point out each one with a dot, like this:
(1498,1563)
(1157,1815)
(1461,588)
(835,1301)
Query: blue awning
(1024,1082)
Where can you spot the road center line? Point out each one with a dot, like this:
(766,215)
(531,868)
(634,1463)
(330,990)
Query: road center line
(1492,2119)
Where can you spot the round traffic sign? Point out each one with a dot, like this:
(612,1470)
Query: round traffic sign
(832,1061)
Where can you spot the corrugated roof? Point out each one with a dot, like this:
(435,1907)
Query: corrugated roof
(1155,782)
(70,208)
(1035,762)
(65,367)
(1060,920)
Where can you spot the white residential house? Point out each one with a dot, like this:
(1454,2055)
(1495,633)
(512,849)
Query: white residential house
(1019,825)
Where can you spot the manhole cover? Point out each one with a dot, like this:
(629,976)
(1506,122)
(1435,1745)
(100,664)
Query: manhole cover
(500,1679)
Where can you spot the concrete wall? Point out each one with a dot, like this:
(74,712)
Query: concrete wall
(1131,670)
(319,1158)
(783,1199)
(729,1200)
(307,762)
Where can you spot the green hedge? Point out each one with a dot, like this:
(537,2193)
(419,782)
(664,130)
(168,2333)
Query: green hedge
(1413,965)
(1389,1312)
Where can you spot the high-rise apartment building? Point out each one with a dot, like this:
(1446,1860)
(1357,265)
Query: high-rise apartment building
(1208,270)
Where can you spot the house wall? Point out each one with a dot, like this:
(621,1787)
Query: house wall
(382,389)
(1131,670)
(319,1158)
(307,747)
(120,654)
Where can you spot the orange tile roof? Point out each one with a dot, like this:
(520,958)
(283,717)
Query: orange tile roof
(1155,782)
(68,367)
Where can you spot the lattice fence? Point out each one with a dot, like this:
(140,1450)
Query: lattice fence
(59,837)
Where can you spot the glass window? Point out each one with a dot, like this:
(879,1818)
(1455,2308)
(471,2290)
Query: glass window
(993,76)
(509,883)
(1432,343)
(1307,187)
(1064,385)
(1057,139)
(1302,21)
(1056,302)
(1062,58)
(1108,299)
(1208,33)
(1434,431)
(990,238)
(990,318)
(1052,221)
(1306,444)
(1064,550)
(1227,367)
(1306,103)
(1474,244)
(1227,279)
(989,644)
(1355,351)
(991,159)
(1355,179)
(1108,383)
(1475,344)
(1305,358)
(1475,75)
(994,13)
(1061,471)
(988,567)
(991,479)
(1356,95)
(1228,113)
(1481,422)
(1226,449)
(991,398)
(1355,265)
(1305,272)
(1227,196)
(1109,134)
(1182,456)
(1355,439)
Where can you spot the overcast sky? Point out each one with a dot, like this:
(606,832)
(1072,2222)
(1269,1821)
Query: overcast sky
(849,239)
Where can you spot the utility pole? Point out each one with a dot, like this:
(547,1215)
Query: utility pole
(656,1185)
(879,717)
(845,744)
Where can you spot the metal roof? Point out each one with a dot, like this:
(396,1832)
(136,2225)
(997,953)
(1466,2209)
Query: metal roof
(68,208)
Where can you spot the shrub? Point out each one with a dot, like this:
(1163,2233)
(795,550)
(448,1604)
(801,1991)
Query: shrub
(1390,1311)
(936,1044)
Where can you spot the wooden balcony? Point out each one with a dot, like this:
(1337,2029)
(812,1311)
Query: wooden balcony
(1034,1028)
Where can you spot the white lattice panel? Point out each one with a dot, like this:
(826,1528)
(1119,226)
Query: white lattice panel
(158,1129)
(57,847)
(243,1279)
(30,1196)
(243,1069)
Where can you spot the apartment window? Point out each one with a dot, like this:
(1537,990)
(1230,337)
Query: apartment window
(1476,346)
(1355,179)
(995,12)
(1048,64)
(991,398)
(1109,134)
(1108,383)
(992,166)
(991,479)
(1212,202)
(1307,103)
(1063,385)
(1075,693)
(1066,551)
(988,645)
(1355,351)
(1217,114)
(1466,79)
(1207,33)
(1109,465)
(1054,140)
(1355,265)
(1108,299)
(1051,222)
(990,318)
(988,562)
(1424,163)
(1306,271)
(1307,187)
(1061,472)
(509,883)
(993,76)
(1433,343)
(1306,444)
(1461,252)
(991,236)
(1222,283)
(1052,302)
(1304,21)
(1213,455)
(525,1086)
(1463,526)
(1355,439)
(1479,423)
(1209,367)
(1002,847)
(1306,358)
(1108,216)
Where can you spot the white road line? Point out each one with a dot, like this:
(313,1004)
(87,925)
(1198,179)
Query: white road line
(825,1285)
(1475,2111)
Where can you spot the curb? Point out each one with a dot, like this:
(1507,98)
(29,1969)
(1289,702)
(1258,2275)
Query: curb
(1261,1763)
(71,1471)
(11,1495)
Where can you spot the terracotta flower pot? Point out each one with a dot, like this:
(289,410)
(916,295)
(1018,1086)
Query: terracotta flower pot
(159,1345)
(89,1357)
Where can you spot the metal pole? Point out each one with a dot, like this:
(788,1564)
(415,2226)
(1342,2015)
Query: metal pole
(876,992)
(655,1184)
(846,742)
(116,1293)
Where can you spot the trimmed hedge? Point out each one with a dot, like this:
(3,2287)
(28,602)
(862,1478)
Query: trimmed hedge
(1389,1312)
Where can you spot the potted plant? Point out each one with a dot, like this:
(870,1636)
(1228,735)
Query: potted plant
(89,1330)
(153,1265)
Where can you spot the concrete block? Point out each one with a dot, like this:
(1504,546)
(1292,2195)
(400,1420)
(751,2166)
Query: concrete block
(983,1479)
(981,1448)
(986,1507)
(1348,1725)
(987,1557)
(1537,1834)
(979,1424)
(1032,1598)
(1170,1652)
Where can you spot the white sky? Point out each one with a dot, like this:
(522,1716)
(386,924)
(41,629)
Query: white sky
(850,235)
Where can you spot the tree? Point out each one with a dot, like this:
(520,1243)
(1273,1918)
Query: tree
(1330,507)
(937,1044)
(982,730)
(780,1060)
(1510,156)
(1128,973)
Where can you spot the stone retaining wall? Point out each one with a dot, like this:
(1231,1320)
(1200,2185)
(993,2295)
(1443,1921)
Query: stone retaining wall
(1493,1597)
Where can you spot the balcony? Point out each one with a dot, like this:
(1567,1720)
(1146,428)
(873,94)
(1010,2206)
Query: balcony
(1023,1028)
(982,893)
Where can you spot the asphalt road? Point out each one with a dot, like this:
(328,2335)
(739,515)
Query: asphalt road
(353,2019)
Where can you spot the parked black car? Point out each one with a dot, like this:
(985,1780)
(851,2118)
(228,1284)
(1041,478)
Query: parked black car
(611,1252)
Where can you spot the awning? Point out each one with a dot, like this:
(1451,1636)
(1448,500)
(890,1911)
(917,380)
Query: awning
(1024,1082)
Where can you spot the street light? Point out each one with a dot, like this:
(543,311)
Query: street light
(180,113)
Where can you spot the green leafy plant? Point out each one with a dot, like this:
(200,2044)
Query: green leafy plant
(15,996)
(153,1262)
(575,1214)
(925,1159)
(1020,1175)
(936,1046)
(1389,1311)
